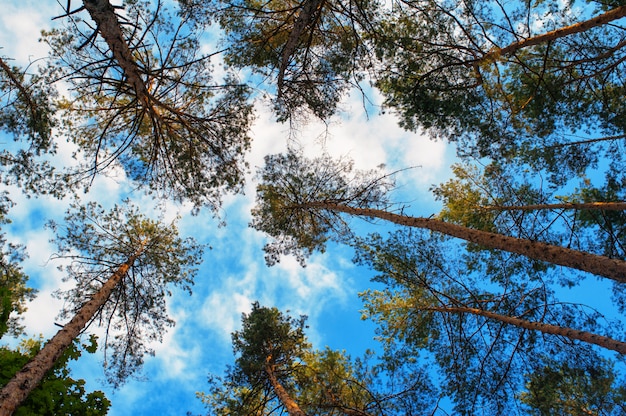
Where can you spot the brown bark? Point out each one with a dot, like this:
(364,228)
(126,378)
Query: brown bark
(600,206)
(34,111)
(103,13)
(29,377)
(292,407)
(574,334)
(306,16)
(599,265)
(588,141)
(604,18)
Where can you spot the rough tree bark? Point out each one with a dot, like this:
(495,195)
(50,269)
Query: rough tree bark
(614,269)
(574,334)
(307,16)
(29,377)
(103,13)
(602,19)
(292,407)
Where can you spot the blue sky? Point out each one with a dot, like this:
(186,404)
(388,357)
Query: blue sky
(233,274)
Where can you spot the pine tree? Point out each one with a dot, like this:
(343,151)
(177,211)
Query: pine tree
(122,263)
(482,321)
(58,392)
(299,203)
(142,96)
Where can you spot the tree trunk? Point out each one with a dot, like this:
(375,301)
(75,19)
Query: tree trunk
(614,269)
(600,206)
(574,334)
(292,407)
(306,16)
(32,106)
(103,13)
(588,141)
(29,377)
(604,18)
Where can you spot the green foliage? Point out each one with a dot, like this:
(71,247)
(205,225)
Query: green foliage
(323,382)
(27,111)
(13,294)
(268,341)
(268,338)
(180,134)
(291,184)
(421,72)
(610,226)
(13,290)
(440,65)
(97,242)
(441,70)
(27,115)
(330,380)
(494,198)
(464,196)
(314,48)
(485,198)
(58,393)
(571,390)
(481,361)
(606,229)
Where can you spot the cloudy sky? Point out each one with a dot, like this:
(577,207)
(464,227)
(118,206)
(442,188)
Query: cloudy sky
(233,274)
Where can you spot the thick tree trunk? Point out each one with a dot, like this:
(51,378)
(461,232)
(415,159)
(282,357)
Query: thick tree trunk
(598,206)
(600,265)
(292,407)
(103,13)
(574,334)
(611,15)
(29,377)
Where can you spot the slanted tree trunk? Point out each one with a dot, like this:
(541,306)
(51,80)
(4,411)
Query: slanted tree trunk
(103,13)
(29,377)
(292,407)
(574,334)
(602,19)
(32,106)
(599,206)
(308,14)
(588,141)
(614,269)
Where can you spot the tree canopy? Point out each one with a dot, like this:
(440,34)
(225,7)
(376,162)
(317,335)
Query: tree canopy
(122,263)
(276,370)
(134,314)
(471,303)
(300,202)
(58,392)
(480,318)
(142,95)
(486,313)
(27,117)
(503,81)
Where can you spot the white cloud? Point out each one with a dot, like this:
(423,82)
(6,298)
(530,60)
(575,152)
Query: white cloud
(176,362)
(223,308)
(287,286)
(233,274)
(22,23)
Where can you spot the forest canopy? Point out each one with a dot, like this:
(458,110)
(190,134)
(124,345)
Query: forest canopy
(493,285)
